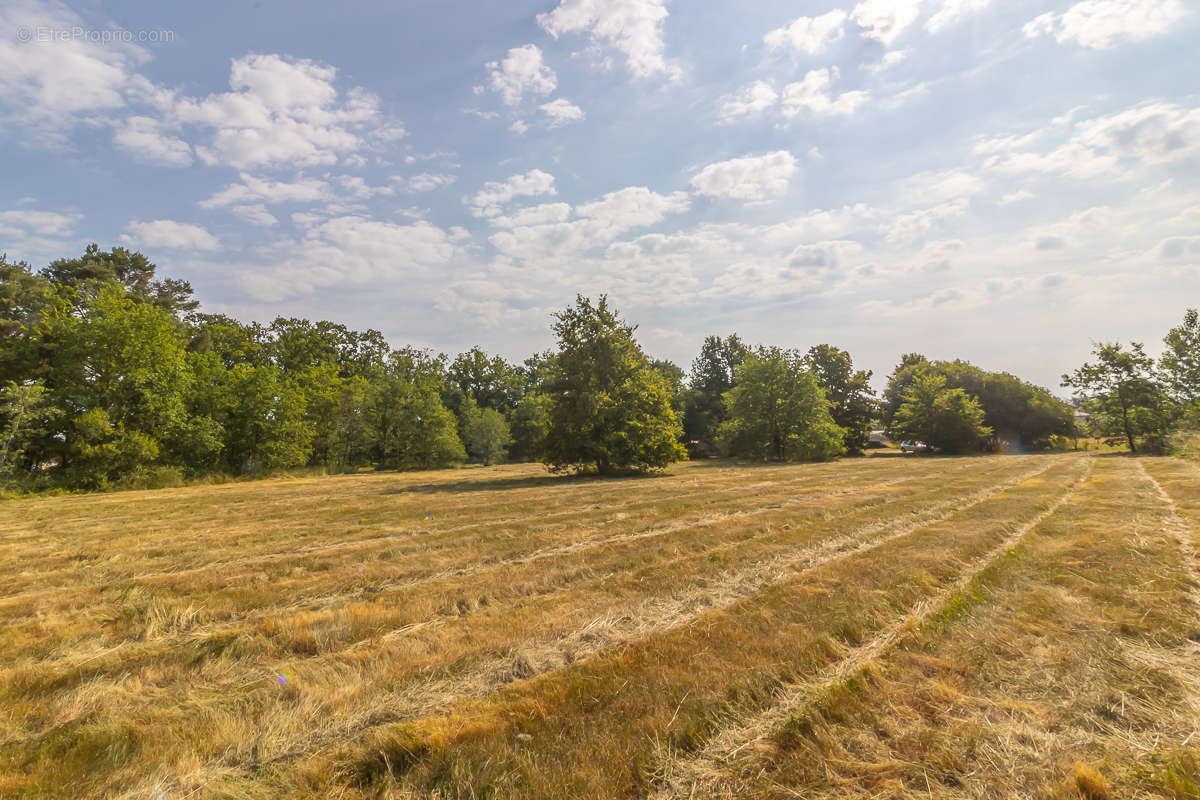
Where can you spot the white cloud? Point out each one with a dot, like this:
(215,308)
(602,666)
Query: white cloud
(1079,228)
(1179,247)
(281,111)
(813,93)
(519,127)
(1149,134)
(1016,197)
(143,137)
(633,27)
(750,100)
(913,227)
(253,190)
(597,223)
(561,112)
(632,207)
(938,187)
(489,201)
(953,11)
(348,250)
(521,72)
(890,59)
(424,182)
(1101,24)
(752,179)
(52,82)
(885,20)
(543,214)
(23,222)
(256,214)
(808,35)
(169,234)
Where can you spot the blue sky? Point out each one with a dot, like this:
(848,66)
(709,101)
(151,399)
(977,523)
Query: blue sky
(998,181)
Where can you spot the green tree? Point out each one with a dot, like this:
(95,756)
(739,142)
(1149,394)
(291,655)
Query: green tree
(487,434)
(25,411)
(607,407)
(413,429)
(943,417)
(1121,391)
(1180,362)
(851,398)
(489,381)
(777,411)
(96,268)
(712,376)
(530,424)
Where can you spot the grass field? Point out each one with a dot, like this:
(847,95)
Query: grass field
(989,627)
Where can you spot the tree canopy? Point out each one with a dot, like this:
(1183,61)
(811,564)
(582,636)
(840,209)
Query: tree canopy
(608,408)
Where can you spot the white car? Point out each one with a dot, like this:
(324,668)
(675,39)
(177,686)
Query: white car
(914,447)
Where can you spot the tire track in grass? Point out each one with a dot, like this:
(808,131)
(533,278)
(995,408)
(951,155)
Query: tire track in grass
(305,603)
(1179,529)
(371,542)
(649,618)
(152,647)
(691,776)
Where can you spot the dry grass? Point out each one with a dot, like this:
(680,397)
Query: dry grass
(885,626)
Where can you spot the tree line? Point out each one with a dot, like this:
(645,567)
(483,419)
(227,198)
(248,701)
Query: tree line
(111,376)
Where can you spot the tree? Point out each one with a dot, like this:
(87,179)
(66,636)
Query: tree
(1122,393)
(673,374)
(911,365)
(713,374)
(851,398)
(489,381)
(607,408)
(1180,362)
(133,271)
(487,435)
(778,411)
(24,409)
(948,419)
(529,426)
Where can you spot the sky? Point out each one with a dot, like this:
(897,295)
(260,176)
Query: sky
(1001,181)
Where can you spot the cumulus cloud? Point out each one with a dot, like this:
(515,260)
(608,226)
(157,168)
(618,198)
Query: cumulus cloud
(51,84)
(423,182)
(1149,134)
(22,222)
(937,187)
(256,190)
(1078,228)
(542,214)
(808,35)
(490,200)
(348,250)
(632,27)
(954,11)
(562,112)
(546,235)
(521,72)
(885,20)
(146,141)
(1016,197)
(748,101)
(256,214)
(169,234)
(813,94)
(1101,24)
(913,227)
(751,179)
